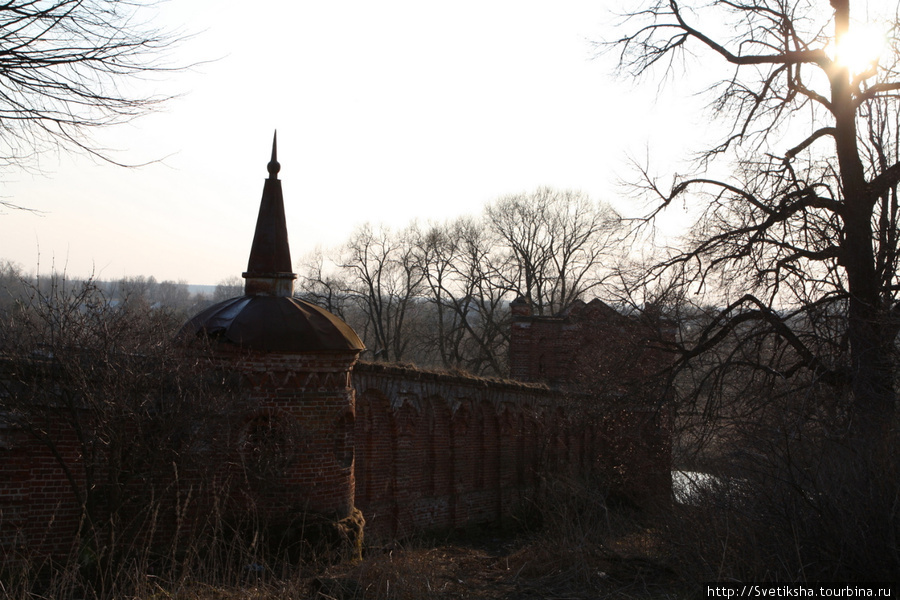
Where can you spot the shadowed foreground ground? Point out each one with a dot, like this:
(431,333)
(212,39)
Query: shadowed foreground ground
(483,566)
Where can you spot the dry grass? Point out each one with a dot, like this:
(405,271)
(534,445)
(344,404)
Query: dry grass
(581,550)
(573,546)
(526,567)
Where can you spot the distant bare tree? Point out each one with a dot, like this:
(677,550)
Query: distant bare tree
(175,294)
(471,312)
(556,242)
(439,295)
(12,288)
(135,290)
(385,280)
(146,293)
(323,287)
(230,287)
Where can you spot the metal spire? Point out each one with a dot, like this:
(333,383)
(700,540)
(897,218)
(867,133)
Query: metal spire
(269,268)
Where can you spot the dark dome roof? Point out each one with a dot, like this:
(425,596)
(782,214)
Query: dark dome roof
(274,324)
(267,318)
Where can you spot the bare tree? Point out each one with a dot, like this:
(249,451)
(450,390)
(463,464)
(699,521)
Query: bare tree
(798,230)
(385,280)
(791,351)
(63,66)
(12,288)
(230,287)
(324,287)
(436,251)
(440,295)
(556,242)
(146,293)
(460,267)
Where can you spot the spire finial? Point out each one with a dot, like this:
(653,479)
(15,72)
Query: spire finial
(273,165)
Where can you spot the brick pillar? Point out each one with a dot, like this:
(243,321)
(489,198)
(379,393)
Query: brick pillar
(521,347)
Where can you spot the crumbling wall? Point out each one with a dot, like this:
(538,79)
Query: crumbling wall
(592,348)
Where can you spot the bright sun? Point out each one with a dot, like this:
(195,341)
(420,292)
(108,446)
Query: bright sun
(860,48)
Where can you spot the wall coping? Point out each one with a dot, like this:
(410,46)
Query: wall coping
(413,373)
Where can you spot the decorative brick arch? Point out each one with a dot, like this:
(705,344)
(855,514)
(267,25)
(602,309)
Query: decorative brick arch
(375,442)
(409,468)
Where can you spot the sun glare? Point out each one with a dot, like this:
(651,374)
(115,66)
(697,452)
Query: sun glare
(860,48)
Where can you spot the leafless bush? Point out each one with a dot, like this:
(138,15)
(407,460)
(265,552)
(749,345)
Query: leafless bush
(133,421)
(788,499)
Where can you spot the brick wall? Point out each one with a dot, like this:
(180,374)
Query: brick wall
(437,451)
(591,347)
(38,510)
(414,450)
(284,448)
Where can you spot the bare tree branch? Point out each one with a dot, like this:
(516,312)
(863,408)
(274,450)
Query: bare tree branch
(63,69)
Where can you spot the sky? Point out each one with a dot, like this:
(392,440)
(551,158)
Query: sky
(386,112)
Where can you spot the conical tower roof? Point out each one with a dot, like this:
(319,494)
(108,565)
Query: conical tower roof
(269,267)
(267,317)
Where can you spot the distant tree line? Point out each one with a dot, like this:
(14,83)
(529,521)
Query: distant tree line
(19,287)
(438,294)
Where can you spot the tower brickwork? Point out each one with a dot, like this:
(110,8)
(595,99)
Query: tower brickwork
(295,445)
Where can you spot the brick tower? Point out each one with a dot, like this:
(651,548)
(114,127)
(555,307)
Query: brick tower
(296,445)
